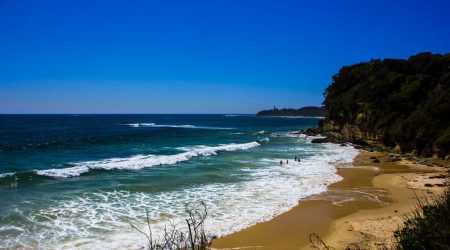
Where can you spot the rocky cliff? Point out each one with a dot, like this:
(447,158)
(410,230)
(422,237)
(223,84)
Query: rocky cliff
(393,103)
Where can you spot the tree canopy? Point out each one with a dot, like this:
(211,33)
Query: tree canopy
(406,103)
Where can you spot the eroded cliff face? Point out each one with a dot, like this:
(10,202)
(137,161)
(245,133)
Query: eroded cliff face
(346,132)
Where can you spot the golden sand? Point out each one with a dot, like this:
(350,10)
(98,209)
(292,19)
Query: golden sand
(364,208)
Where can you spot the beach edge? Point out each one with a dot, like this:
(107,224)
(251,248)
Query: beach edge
(365,223)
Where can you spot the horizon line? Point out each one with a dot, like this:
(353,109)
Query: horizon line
(127,113)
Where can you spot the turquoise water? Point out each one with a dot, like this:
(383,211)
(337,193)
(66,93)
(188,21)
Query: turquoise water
(77,181)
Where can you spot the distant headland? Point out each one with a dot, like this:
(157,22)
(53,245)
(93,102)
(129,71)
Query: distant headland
(309,111)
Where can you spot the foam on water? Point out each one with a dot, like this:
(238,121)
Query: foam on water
(64,172)
(144,161)
(154,125)
(6,175)
(100,220)
(264,139)
(260,132)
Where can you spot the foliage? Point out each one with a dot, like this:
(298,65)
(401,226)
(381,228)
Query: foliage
(407,102)
(428,227)
(192,236)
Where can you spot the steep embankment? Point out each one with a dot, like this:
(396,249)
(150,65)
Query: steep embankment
(394,103)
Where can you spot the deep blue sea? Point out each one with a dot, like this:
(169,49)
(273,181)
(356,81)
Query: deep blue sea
(78,181)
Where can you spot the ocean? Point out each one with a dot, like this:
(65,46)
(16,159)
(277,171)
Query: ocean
(78,181)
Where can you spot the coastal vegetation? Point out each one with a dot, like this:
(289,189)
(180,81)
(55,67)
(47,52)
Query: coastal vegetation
(399,105)
(395,103)
(428,226)
(192,236)
(309,111)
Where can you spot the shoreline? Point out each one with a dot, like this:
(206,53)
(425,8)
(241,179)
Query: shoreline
(364,208)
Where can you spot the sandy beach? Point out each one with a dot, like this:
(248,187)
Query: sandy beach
(364,208)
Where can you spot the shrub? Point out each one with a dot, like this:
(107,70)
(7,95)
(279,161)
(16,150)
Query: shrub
(428,227)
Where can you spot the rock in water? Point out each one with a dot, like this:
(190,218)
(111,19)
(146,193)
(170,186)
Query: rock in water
(320,140)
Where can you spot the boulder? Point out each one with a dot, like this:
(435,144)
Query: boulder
(320,140)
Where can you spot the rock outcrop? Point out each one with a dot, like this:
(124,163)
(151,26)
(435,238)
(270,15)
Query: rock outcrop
(401,105)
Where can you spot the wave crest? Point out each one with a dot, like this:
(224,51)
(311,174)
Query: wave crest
(64,172)
(143,161)
(154,125)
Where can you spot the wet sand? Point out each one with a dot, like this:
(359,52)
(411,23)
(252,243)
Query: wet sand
(363,208)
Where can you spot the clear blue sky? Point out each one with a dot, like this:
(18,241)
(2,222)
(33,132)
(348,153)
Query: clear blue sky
(214,56)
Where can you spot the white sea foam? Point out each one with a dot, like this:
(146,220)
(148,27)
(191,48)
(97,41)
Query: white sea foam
(265,139)
(136,125)
(100,220)
(64,172)
(154,125)
(144,161)
(260,132)
(294,134)
(6,175)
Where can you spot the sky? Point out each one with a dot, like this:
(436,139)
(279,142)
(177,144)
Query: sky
(214,56)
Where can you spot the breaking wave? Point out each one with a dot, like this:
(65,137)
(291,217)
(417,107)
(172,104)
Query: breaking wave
(144,161)
(154,125)
(100,220)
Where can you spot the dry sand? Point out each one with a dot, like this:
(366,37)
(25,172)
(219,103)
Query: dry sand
(364,208)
